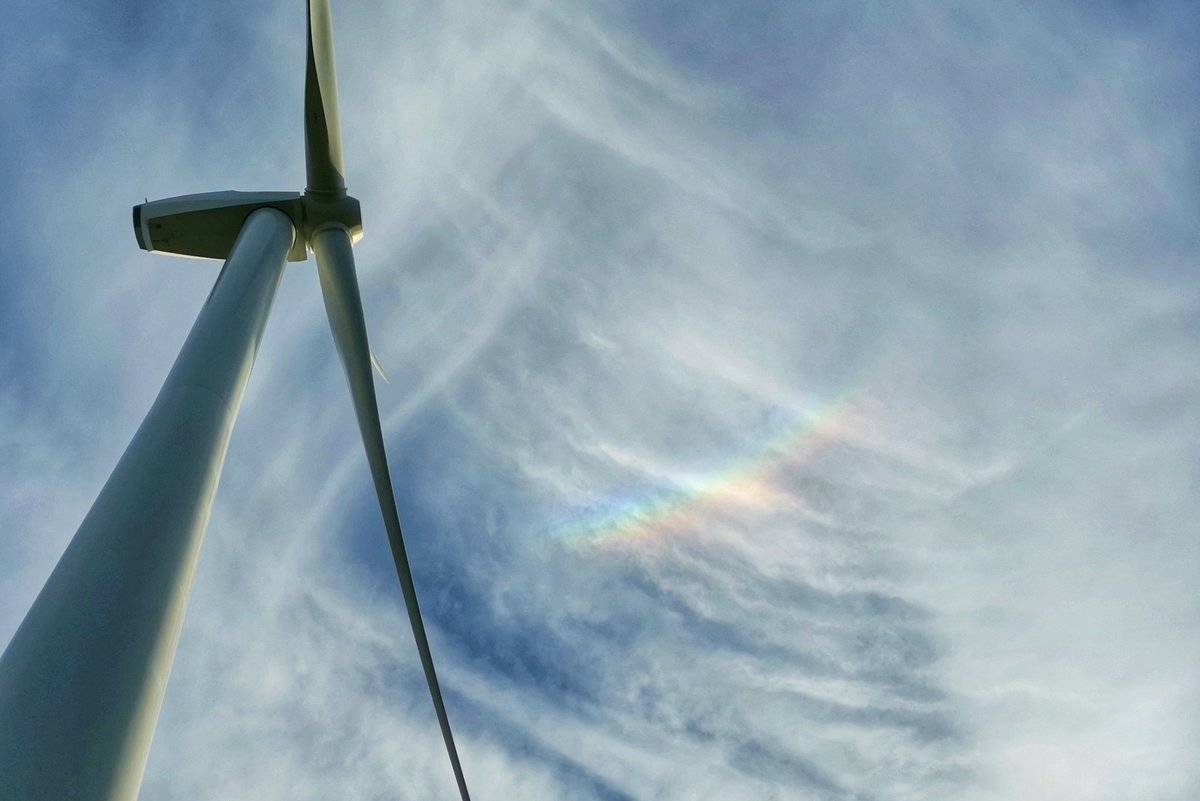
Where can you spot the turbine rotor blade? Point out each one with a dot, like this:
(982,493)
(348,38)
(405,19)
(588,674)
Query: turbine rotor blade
(322,124)
(343,304)
(379,368)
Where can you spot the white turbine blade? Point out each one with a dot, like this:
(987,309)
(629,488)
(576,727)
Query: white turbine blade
(379,367)
(322,125)
(343,304)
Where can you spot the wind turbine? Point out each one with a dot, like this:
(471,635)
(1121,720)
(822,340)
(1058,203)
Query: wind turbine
(82,680)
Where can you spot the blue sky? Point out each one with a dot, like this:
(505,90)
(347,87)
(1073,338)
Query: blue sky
(788,400)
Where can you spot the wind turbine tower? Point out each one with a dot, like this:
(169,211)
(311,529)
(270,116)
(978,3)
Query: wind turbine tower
(82,680)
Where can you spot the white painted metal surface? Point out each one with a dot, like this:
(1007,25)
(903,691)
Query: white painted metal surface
(82,681)
(83,678)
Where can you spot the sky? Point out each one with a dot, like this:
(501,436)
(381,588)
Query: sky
(789,400)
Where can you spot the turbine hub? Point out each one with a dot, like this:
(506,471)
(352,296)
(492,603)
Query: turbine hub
(322,209)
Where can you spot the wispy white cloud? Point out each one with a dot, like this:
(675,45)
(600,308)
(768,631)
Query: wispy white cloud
(788,403)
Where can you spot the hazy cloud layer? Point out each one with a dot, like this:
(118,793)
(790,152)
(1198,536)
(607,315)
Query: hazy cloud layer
(787,401)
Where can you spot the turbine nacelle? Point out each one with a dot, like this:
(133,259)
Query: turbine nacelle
(206,225)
